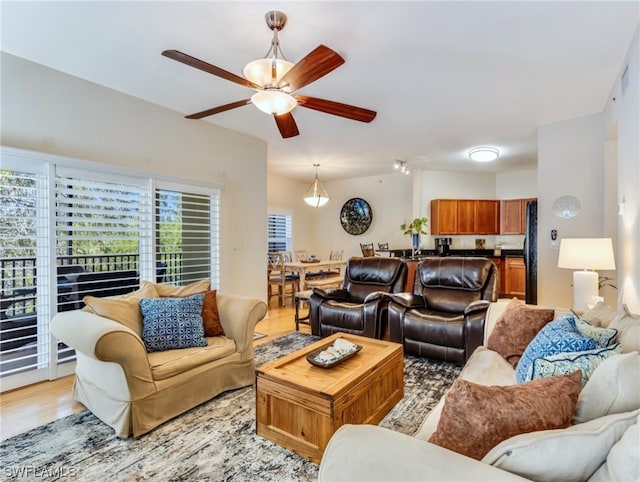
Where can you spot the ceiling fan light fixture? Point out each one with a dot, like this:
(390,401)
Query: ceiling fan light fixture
(259,71)
(484,154)
(316,196)
(273,102)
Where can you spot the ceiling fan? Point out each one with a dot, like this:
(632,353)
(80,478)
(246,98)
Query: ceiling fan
(277,80)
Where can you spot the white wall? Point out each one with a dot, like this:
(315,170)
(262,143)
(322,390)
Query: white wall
(48,111)
(622,116)
(570,161)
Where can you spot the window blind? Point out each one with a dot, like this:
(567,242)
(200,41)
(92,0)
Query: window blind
(24,301)
(279,226)
(187,238)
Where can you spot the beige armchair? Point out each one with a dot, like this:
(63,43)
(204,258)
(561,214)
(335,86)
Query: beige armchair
(134,391)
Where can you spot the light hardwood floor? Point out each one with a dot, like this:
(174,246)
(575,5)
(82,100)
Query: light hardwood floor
(26,408)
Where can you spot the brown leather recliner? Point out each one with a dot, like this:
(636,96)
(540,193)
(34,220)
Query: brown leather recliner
(360,306)
(444,317)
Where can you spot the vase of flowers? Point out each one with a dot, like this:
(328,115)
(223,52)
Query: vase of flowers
(415,228)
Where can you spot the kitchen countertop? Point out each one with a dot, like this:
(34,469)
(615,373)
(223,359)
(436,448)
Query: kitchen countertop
(488,253)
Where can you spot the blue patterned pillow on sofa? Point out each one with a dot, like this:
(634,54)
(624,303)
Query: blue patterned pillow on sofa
(170,323)
(557,336)
(565,363)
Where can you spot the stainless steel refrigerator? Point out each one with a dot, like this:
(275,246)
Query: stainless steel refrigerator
(531,252)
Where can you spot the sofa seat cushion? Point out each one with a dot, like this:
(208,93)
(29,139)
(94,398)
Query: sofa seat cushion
(435,327)
(165,364)
(484,367)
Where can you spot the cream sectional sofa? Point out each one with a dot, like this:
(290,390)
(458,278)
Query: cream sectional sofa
(134,391)
(603,443)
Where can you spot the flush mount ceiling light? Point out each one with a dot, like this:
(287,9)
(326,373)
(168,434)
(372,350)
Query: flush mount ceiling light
(401,166)
(484,154)
(316,195)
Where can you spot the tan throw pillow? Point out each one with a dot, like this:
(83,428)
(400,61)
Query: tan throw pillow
(514,330)
(210,315)
(475,418)
(172,291)
(599,315)
(125,310)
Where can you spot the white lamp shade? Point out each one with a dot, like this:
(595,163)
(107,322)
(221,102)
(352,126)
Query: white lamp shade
(259,71)
(273,102)
(586,253)
(316,195)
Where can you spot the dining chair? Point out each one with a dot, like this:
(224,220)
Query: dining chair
(278,278)
(301,255)
(383,245)
(367,249)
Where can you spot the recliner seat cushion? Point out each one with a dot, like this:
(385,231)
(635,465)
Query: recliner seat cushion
(343,315)
(435,327)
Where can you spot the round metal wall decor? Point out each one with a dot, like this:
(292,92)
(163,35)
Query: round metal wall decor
(356,216)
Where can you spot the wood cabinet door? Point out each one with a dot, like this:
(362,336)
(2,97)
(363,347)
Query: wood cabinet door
(444,216)
(511,220)
(467,216)
(515,277)
(488,217)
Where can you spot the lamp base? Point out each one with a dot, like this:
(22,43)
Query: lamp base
(585,287)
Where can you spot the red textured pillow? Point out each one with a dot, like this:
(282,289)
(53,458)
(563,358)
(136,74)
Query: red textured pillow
(475,418)
(516,327)
(210,315)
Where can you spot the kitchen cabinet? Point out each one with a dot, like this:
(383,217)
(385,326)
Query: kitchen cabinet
(488,216)
(513,215)
(515,277)
(444,216)
(465,216)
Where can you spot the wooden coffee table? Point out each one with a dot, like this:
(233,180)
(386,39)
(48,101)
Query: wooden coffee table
(299,406)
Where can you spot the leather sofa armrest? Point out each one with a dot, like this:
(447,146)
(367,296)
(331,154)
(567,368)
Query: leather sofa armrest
(337,294)
(408,300)
(370,453)
(476,306)
(375,296)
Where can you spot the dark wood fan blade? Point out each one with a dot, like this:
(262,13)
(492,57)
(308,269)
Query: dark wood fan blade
(318,63)
(211,69)
(217,110)
(286,125)
(336,108)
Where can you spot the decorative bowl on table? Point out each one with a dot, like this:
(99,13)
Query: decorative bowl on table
(332,355)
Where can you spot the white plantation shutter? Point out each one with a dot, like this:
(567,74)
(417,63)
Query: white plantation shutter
(279,226)
(103,230)
(24,300)
(187,234)
(68,230)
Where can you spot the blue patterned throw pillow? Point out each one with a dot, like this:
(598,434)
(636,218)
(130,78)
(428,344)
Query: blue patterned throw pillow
(557,336)
(170,323)
(565,363)
(602,336)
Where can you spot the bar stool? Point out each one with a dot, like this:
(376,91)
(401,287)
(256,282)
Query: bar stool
(298,298)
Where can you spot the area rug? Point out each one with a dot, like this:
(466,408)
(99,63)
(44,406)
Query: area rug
(215,441)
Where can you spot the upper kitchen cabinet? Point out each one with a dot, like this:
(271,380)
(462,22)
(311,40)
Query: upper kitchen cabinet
(444,216)
(465,216)
(513,215)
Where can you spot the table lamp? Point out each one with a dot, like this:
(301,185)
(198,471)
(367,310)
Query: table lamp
(586,255)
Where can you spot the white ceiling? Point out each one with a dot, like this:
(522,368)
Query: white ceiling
(443,76)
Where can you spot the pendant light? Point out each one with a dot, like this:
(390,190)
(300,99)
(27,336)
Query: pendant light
(316,195)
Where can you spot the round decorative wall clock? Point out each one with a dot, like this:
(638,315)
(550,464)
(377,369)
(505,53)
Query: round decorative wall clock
(356,216)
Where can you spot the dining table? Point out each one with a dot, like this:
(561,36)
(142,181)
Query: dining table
(302,268)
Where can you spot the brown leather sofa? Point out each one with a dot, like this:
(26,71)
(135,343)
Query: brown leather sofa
(444,316)
(360,306)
